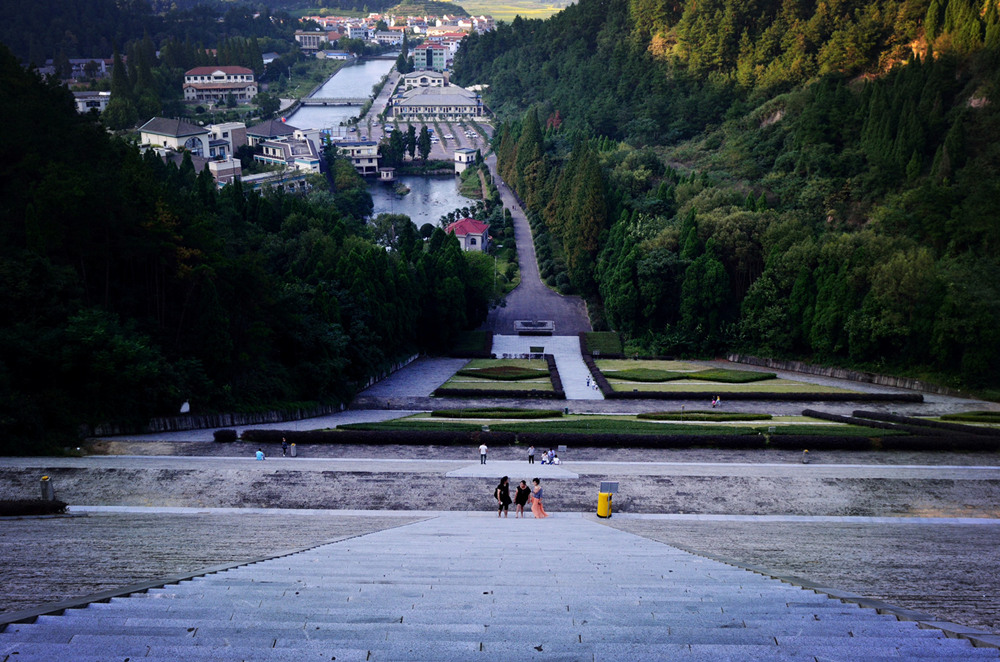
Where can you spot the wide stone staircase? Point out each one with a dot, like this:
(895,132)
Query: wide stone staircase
(469,586)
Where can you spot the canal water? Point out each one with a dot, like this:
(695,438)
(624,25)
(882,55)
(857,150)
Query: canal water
(429,198)
(352,81)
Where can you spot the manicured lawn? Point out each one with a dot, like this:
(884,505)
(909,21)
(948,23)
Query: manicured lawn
(589,424)
(502,375)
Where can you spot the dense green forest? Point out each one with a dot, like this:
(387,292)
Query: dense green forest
(816,180)
(128,286)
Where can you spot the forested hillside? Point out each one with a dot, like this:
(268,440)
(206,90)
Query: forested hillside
(128,286)
(796,179)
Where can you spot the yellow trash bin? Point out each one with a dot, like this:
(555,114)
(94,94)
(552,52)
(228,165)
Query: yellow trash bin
(604,504)
(608,488)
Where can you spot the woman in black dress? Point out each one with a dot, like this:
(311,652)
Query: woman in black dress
(502,494)
(521,499)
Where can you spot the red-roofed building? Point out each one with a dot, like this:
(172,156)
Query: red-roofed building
(216,83)
(473,235)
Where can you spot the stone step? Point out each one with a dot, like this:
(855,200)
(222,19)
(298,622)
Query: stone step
(439,590)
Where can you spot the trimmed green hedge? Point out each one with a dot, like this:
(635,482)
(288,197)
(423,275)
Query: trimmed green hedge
(497,412)
(31,508)
(508,373)
(719,375)
(698,415)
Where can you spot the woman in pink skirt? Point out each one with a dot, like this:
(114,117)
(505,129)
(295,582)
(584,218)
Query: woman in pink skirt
(536,500)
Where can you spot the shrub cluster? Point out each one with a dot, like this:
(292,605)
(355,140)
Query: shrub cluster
(226,435)
(509,373)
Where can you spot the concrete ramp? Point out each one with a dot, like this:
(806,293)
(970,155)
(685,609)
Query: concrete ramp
(474,587)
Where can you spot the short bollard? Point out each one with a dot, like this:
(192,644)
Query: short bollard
(805,457)
(608,488)
(294,452)
(48,493)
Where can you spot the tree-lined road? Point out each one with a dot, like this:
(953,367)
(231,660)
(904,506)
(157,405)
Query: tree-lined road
(531,299)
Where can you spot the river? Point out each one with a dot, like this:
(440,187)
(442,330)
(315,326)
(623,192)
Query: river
(352,81)
(430,198)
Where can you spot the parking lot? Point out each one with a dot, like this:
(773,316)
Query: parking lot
(446,136)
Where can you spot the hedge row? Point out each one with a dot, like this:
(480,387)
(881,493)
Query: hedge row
(923,423)
(702,416)
(31,508)
(503,373)
(497,412)
(480,393)
(796,396)
(604,440)
(974,417)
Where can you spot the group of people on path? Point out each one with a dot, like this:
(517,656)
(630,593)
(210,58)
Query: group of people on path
(548,457)
(502,495)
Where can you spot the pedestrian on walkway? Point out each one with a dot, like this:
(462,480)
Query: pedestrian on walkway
(552,455)
(259,455)
(482,453)
(531,455)
(520,499)
(502,494)
(536,500)
(284,447)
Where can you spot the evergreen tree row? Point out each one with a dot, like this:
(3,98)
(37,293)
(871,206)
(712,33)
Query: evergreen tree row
(128,286)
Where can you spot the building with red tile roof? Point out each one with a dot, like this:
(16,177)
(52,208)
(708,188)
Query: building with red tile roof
(473,235)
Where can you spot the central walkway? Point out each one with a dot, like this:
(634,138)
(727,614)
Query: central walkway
(474,587)
(576,378)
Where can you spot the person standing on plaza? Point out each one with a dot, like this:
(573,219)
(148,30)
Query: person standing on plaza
(482,453)
(537,509)
(531,454)
(521,498)
(284,447)
(502,494)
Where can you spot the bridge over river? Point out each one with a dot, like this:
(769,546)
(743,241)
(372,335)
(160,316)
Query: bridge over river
(334,101)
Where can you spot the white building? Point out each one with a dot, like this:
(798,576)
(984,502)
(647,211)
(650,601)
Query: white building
(215,84)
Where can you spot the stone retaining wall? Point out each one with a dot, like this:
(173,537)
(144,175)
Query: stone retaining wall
(844,373)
